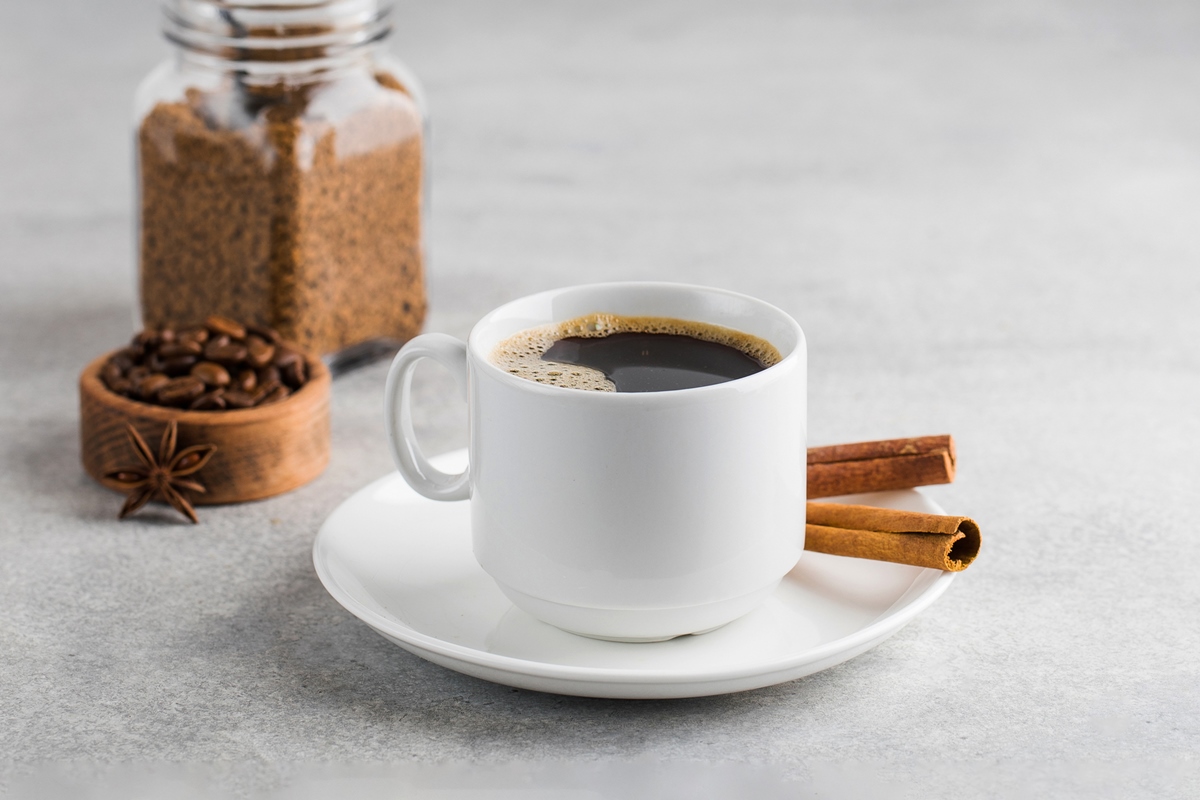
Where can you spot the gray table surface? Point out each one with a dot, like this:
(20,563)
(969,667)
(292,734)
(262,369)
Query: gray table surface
(983,214)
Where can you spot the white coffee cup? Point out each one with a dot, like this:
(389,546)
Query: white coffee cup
(627,516)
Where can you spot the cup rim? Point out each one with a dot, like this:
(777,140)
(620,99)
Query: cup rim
(483,362)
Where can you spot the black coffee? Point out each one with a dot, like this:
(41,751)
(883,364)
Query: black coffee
(612,353)
(655,362)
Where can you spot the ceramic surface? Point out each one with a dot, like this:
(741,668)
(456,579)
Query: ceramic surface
(403,564)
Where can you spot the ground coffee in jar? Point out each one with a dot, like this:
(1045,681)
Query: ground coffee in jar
(280,161)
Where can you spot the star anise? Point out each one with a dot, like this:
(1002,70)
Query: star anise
(164,476)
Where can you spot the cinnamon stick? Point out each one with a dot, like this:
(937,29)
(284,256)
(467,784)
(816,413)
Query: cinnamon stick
(880,466)
(884,534)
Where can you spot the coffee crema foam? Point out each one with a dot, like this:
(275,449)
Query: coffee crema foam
(521,354)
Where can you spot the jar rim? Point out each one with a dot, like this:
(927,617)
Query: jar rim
(275,31)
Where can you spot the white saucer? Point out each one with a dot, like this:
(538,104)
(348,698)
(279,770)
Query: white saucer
(403,565)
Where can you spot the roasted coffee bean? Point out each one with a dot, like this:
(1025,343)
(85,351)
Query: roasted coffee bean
(265,333)
(265,388)
(230,355)
(196,334)
(294,373)
(223,325)
(247,380)
(212,374)
(180,365)
(165,336)
(136,374)
(122,386)
(269,374)
(275,395)
(154,362)
(217,345)
(182,347)
(284,356)
(134,353)
(238,399)
(110,373)
(258,352)
(148,387)
(214,346)
(122,361)
(180,391)
(209,401)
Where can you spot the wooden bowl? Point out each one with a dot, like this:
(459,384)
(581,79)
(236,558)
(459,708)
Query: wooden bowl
(261,451)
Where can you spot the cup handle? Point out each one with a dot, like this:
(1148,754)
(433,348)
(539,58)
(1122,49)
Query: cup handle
(422,476)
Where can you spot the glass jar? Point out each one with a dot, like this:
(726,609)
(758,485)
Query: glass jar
(280,174)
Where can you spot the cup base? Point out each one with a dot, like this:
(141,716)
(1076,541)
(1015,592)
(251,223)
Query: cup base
(639,624)
(651,639)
